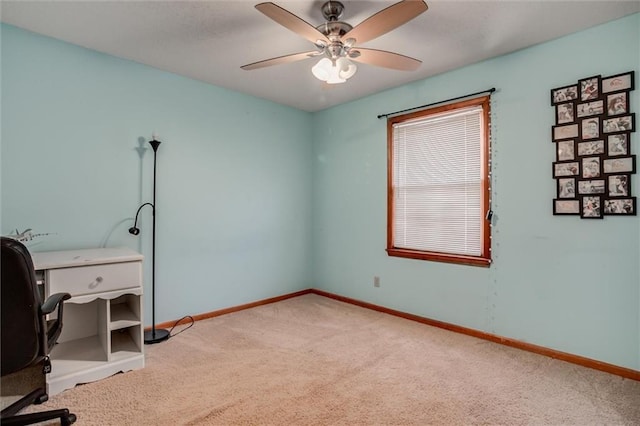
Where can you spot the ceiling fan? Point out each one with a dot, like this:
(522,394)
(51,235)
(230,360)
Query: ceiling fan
(336,40)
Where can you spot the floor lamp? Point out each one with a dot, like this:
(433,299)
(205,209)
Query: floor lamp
(155,335)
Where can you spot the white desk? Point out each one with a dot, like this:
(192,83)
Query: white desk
(102,331)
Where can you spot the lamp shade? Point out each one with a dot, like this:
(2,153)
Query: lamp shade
(346,68)
(334,72)
(322,70)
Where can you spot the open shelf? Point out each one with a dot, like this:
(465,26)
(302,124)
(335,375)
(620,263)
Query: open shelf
(77,355)
(125,343)
(125,311)
(122,317)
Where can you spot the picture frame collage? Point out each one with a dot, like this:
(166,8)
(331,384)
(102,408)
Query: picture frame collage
(593,156)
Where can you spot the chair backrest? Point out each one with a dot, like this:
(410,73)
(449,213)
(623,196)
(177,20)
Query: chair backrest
(22,322)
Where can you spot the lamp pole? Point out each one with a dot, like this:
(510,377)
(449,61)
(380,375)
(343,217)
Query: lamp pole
(155,335)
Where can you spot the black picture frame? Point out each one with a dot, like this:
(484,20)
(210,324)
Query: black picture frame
(620,206)
(589,88)
(617,103)
(565,131)
(566,207)
(566,150)
(591,167)
(618,82)
(590,108)
(564,94)
(619,123)
(566,188)
(619,185)
(591,207)
(619,165)
(566,169)
(591,147)
(618,144)
(565,113)
(590,128)
(592,186)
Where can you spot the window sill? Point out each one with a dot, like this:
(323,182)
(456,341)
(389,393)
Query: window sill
(440,257)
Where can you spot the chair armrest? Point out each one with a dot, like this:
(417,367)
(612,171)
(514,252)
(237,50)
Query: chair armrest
(53,328)
(53,301)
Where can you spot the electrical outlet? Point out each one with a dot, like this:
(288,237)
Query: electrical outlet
(376,281)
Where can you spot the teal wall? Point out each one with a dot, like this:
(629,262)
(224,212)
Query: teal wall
(560,282)
(257,199)
(233,192)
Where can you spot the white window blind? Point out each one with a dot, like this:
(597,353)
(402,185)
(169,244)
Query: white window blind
(437,182)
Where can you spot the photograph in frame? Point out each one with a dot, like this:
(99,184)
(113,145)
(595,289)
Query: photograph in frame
(565,113)
(570,207)
(591,167)
(595,186)
(567,131)
(591,147)
(621,206)
(566,188)
(588,109)
(567,168)
(618,144)
(619,165)
(565,150)
(616,83)
(617,103)
(590,128)
(619,185)
(623,123)
(564,94)
(589,88)
(591,207)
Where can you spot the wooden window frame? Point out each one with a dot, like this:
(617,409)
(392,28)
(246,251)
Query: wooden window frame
(484,259)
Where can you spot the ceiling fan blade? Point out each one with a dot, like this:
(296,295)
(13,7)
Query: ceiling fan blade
(281,60)
(382,58)
(291,21)
(386,20)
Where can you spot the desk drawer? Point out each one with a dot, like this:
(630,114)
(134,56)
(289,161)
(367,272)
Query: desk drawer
(95,279)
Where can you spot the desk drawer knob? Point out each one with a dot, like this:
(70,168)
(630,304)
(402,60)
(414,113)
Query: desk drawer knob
(96,282)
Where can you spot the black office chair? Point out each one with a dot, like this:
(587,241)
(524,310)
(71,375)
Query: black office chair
(27,335)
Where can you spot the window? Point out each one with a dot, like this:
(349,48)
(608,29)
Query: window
(438,184)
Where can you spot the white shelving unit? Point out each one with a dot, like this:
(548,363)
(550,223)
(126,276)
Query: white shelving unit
(102,331)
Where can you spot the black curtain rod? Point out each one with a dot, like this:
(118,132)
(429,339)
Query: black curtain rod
(493,89)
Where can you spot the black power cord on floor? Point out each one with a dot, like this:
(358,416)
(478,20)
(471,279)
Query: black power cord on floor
(178,322)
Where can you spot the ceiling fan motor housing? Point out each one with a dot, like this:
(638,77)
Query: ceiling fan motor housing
(334,29)
(332,10)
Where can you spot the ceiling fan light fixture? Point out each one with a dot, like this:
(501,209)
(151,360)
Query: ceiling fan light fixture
(334,73)
(346,68)
(322,70)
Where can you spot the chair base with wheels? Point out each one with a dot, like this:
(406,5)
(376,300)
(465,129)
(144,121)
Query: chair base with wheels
(38,396)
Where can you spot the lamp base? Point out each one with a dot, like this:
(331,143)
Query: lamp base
(155,336)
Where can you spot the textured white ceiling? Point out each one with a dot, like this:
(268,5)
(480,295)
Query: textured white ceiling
(210,40)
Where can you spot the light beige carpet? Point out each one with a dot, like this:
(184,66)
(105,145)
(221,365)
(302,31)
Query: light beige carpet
(311,360)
